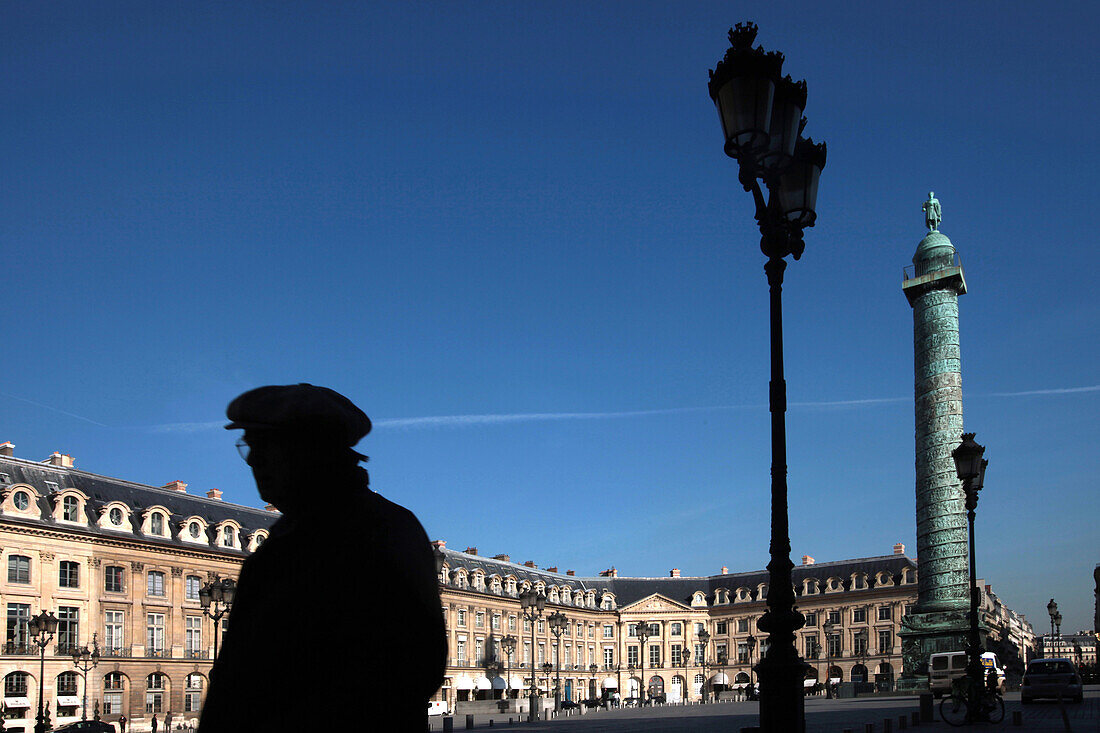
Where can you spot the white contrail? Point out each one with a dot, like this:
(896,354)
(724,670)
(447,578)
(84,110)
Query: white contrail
(55,409)
(187,427)
(1065,390)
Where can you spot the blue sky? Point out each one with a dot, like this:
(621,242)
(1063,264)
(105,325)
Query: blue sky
(508,232)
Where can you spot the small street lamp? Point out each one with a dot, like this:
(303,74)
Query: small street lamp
(827,629)
(1058,627)
(761,115)
(547,669)
(970,469)
(751,644)
(216,599)
(704,637)
(592,670)
(532,604)
(508,645)
(642,632)
(85,661)
(685,660)
(558,624)
(41,628)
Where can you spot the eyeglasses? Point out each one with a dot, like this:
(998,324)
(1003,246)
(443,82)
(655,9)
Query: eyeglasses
(243,448)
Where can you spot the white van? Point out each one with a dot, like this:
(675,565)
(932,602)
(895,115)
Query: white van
(946,666)
(437,707)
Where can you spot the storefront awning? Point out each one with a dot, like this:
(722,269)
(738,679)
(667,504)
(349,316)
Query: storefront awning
(17,702)
(809,683)
(483,683)
(720,679)
(499,683)
(517,683)
(610,683)
(68,701)
(740,685)
(464,683)
(834,680)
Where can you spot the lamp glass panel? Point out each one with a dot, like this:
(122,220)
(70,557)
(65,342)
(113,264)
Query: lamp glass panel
(797,191)
(745,109)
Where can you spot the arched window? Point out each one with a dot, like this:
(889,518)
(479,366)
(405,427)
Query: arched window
(113,683)
(67,683)
(192,694)
(156,524)
(70,509)
(22,500)
(155,686)
(229,536)
(15,684)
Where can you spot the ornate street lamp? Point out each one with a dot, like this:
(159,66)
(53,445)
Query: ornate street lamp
(41,629)
(532,603)
(558,623)
(592,670)
(685,660)
(827,630)
(547,669)
(970,469)
(761,115)
(85,661)
(642,632)
(1058,627)
(704,637)
(508,644)
(216,599)
(750,642)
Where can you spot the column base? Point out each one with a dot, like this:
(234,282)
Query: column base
(782,695)
(926,633)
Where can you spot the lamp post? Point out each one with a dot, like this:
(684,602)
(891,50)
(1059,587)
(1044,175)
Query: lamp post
(704,636)
(532,603)
(642,631)
(216,599)
(592,670)
(863,639)
(558,623)
(41,629)
(761,115)
(685,660)
(751,644)
(816,652)
(508,644)
(85,661)
(970,468)
(827,629)
(547,668)
(1058,627)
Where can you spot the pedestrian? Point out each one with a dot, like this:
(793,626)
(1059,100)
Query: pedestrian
(168,722)
(122,723)
(334,533)
(154,723)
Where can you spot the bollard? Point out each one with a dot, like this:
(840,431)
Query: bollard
(869,728)
(847,730)
(448,724)
(915,718)
(490,722)
(887,725)
(469,721)
(926,715)
(1017,718)
(902,723)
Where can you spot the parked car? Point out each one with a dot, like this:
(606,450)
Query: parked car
(86,726)
(945,667)
(1051,678)
(592,703)
(437,707)
(569,705)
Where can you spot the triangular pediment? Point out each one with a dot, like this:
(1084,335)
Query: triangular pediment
(654,603)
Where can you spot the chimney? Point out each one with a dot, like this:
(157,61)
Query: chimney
(502,557)
(674,573)
(552,570)
(214,494)
(570,572)
(899,549)
(530,564)
(807,560)
(60,460)
(725,570)
(471,550)
(439,544)
(610,573)
(271,508)
(176,486)
(7,448)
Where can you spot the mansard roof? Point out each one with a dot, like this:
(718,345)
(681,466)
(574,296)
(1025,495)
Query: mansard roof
(101,490)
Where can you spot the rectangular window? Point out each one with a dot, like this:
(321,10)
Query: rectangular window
(608,656)
(811,618)
(479,651)
(112,703)
(859,643)
(156,583)
(496,622)
(834,617)
(113,622)
(676,655)
(655,655)
(541,626)
(19,569)
(460,651)
(193,638)
(526,653)
(192,701)
(859,615)
(154,633)
(17,638)
(885,642)
(720,628)
(834,645)
(154,702)
(885,613)
(511,623)
(676,629)
(591,631)
(632,656)
(479,619)
(565,657)
(742,653)
(700,650)
(742,626)
(526,624)
(68,628)
(462,617)
(112,579)
(811,646)
(698,628)
(194,584)
(608,631)
(68,574)
(632,630)
(721,653)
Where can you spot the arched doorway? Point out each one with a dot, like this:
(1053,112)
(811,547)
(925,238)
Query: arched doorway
(633,687)
(676,689)
(17,689)
(610,686)
(809,684)
(697,685)
(836,675)
(859,673)
(884,678)
(657,688)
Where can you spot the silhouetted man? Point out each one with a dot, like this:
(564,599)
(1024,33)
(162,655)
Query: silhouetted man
(336,620)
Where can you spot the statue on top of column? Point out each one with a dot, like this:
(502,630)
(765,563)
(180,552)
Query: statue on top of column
(931,209)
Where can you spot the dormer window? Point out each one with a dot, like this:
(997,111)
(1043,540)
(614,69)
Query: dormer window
(156,524)
(52,486)
(194,530)
(70,509)
(115,516)
(229,538)
(22,500)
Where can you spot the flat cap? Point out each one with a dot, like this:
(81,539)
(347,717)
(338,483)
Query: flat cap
(302,408)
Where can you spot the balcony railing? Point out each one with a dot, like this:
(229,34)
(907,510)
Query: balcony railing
(65,650)
(115,651)
(195,654)
(17,648)
(158,653)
